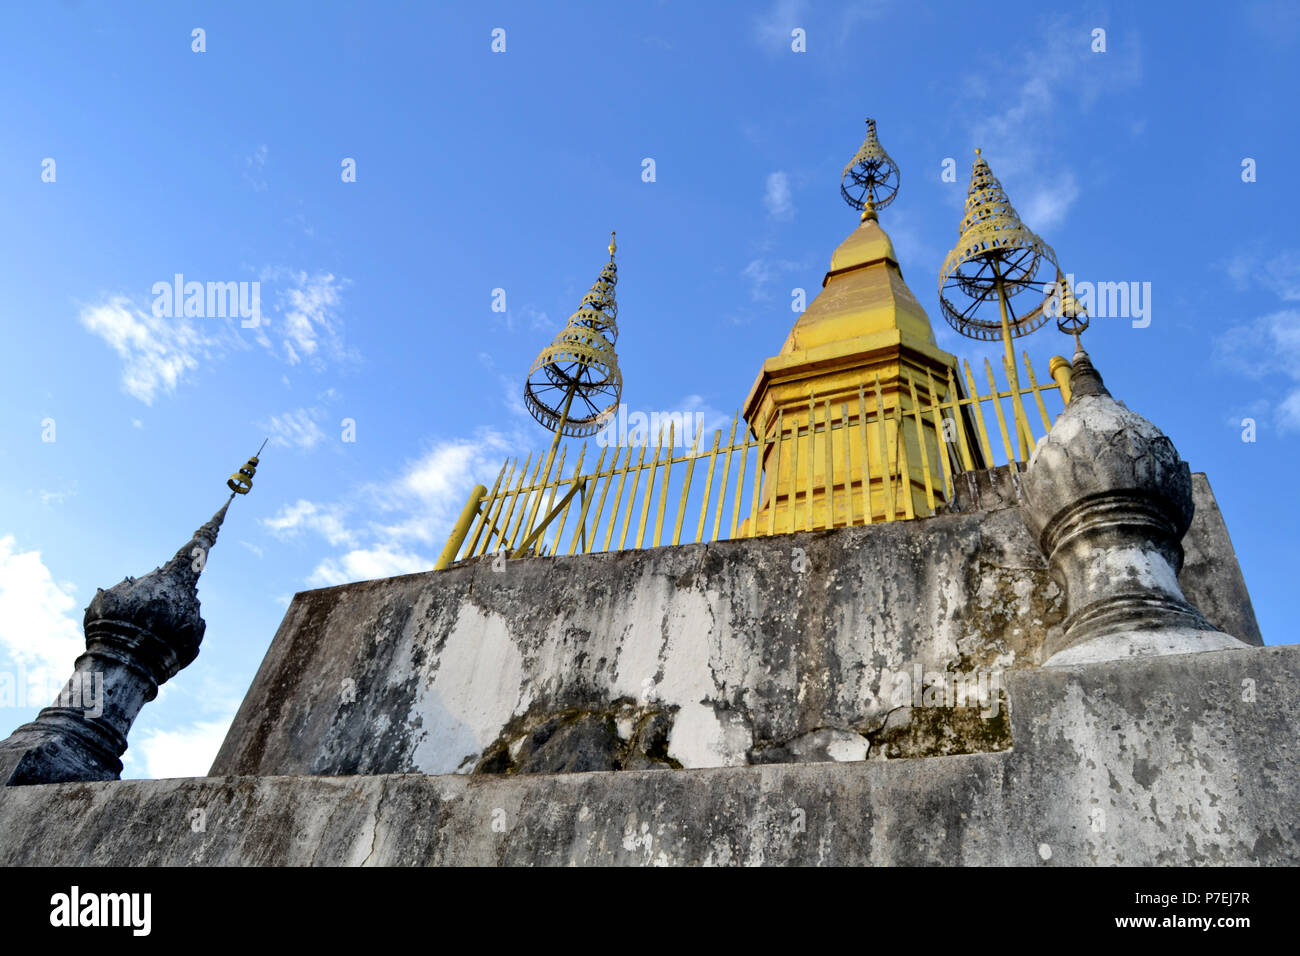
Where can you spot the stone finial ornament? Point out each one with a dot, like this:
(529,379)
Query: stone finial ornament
(1109,500)
(139,634)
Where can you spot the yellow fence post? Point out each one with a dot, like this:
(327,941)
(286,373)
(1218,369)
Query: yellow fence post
(866,457)
(526,513)
(486,523)
(461,529)
(848,460)
(830,470)
(1061,370)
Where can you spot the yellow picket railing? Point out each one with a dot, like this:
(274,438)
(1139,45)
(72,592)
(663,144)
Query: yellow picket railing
(870,444)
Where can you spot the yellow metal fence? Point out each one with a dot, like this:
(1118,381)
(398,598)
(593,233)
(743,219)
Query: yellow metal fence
(547,506)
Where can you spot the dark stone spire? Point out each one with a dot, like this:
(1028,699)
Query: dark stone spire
(164,603)
(139,634)
(1085,380)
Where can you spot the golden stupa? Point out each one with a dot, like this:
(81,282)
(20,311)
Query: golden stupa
(865,334)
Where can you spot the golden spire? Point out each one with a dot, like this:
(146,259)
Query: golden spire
(870,181)
(580,365)
(864,334)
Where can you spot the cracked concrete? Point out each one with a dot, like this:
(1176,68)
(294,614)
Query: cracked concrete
(1178,760)
(429,673)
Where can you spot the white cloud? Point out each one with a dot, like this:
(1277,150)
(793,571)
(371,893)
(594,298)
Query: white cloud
(1025,112)
(762,272)
(1288,413)
(1269,348)
(364,564)
(1279,273)
(401,524)
(187,752)
(773,27)
(324,520)
(1049,202)
(311,319)
(431,491)
(512,392)
(50,497)
(534,318)
(255,168)
(298,428)
(714,420)
(35,627)
(777,197)
(156,353)
(159,353)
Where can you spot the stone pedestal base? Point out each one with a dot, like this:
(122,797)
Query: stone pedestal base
(1125,644)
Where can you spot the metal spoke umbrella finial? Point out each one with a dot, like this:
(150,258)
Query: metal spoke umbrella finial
(1072,317)
(997,257)
(574,385)
(871,179)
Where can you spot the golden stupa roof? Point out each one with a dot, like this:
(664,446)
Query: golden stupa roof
(864,323)
(862,294)
(866,244)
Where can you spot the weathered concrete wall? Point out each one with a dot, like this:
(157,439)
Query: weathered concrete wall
(1153,761)
(698,656)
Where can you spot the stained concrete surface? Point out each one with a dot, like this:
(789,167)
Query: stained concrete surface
(1188,759)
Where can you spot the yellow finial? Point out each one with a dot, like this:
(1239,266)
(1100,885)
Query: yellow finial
(241,483)
(612,248)
(869,210)
(977,152)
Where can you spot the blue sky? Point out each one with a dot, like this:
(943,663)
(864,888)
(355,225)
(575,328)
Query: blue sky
(478,170)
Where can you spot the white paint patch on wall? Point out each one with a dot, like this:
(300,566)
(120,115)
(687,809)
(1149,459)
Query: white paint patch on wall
(703,738)
(473,695)
(639,649)
(684,667)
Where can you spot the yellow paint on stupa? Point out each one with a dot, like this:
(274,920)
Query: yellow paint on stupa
(864,328)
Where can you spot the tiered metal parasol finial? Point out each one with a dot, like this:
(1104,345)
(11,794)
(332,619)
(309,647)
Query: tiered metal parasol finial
(870,181)
(574,385)
(1072,317)
(997,258)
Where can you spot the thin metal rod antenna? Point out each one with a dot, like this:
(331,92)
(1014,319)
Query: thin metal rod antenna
(264,441)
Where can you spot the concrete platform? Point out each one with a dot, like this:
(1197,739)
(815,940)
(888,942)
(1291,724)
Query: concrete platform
(1185,760)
